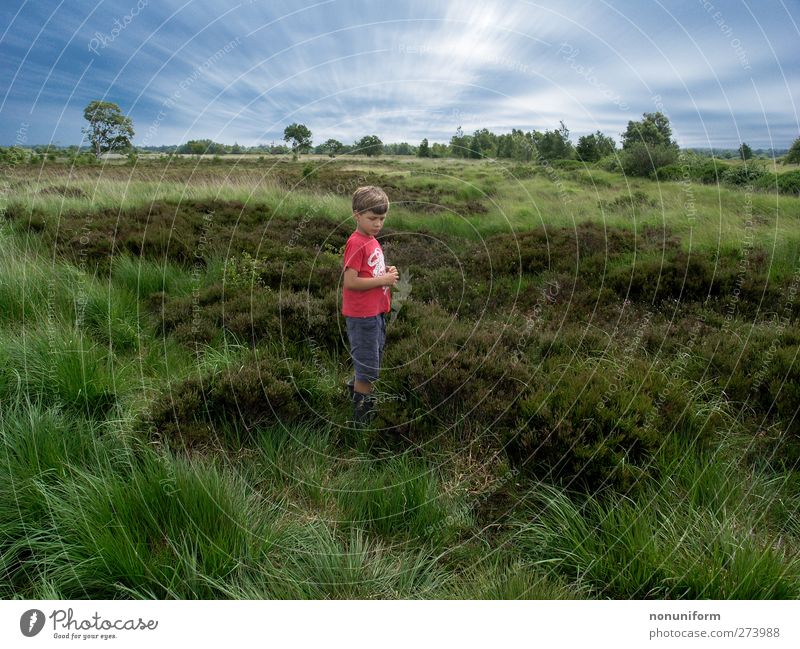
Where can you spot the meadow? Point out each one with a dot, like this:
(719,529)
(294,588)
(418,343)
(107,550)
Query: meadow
(590,385)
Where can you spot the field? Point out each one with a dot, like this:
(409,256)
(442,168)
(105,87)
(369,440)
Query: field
(590,388)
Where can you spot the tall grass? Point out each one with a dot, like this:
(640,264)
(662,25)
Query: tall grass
(162,529)
(700,534)
(144,277)
(397,496)
(59,366)
(40,448)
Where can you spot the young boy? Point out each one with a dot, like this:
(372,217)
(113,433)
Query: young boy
(366,297)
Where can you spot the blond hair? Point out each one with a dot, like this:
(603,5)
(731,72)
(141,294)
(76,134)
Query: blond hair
(370,199)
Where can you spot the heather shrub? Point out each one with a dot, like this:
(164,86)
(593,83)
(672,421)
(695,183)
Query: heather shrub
(598,426)
(446,372)
(253,316)
(543,249)
(225,407)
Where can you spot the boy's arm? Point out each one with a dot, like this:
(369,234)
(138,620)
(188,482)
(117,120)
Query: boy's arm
(353,282)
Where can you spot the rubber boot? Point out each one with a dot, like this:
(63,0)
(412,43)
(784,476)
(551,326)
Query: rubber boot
(363,409)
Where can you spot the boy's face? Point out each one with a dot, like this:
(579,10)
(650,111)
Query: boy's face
(369,223)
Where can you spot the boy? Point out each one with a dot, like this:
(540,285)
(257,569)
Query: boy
(366,297)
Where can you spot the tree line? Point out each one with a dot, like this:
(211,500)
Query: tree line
(646,144)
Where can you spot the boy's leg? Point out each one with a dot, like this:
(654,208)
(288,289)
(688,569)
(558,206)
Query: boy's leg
(364,336)
(381,341)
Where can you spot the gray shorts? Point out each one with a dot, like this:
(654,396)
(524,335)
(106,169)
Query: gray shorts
(367,339)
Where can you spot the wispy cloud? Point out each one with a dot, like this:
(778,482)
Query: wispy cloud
(401,70)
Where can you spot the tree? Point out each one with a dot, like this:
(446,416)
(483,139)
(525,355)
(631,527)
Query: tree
(745,152)
(484,144)
(594,147)
(461,144)
(554,145)
(200,147)
(109,129)
(652,130)
(647,145)
(793,156)
(369,145)
(439,150)
(331,147)
(299,136)
(424,151)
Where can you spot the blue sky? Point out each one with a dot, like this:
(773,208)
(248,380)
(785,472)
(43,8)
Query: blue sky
(723,72)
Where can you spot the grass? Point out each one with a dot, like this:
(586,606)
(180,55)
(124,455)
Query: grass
(700,533)
(96,507)
(397,496)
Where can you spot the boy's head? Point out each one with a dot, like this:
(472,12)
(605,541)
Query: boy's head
(370,206)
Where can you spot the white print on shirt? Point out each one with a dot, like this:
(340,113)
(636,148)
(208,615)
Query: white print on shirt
(377,264)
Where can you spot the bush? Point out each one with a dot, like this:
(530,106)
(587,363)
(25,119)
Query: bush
(253,316)
(707,172)
(226,407)
(746,174)
(13,156)
(309,171)
(638,159)
(627,202)
(612,163)
(785,183)
(568,165)
(460,376)
(600,426)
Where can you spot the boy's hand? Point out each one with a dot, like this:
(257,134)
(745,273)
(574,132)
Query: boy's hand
(391,276)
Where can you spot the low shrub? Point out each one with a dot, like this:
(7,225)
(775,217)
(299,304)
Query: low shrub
(598,427)
(252,316)
(785,183)
(739,176)
(642,160)
(708,172)
(460,374)
(224,408)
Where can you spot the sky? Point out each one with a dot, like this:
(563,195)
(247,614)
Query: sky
(724,72)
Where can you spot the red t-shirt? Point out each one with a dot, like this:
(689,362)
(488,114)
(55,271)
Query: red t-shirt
(365,255)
